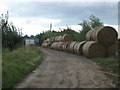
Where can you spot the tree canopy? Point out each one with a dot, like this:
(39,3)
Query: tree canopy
(11,35)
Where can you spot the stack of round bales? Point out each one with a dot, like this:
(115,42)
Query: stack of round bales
(104,36)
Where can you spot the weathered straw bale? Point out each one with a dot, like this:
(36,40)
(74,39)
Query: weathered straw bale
(94,49)
(71,47)
(78,47)
(67,37)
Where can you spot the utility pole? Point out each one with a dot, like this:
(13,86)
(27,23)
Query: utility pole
(50,29)
(50,26)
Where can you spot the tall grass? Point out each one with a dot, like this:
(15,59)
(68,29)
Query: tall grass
(18,63)
(109,63)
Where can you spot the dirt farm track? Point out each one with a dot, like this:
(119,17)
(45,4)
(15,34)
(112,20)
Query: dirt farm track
(65,70)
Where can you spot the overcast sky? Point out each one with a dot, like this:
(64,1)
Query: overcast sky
(35,17)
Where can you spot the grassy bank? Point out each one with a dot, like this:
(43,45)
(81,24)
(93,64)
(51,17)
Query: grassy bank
(18,63)
(110,66)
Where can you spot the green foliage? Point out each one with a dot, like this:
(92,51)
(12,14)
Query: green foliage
(85,28)
(88,25)
(19,63)
(94,22)
(11,36)
(44,35)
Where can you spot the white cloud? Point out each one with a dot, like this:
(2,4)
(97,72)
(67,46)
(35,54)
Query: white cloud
(3,9)
(33,26)
(34,21)
(59,1)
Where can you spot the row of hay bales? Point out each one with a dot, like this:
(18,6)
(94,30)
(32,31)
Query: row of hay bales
(100,42)
(71,46)
(61,38)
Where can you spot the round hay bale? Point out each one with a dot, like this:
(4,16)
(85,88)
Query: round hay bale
(105,34)
(42,45)
(88,35)
(94,49)
(45,45)
(59,46)
(63,46)
(78,48)
(54,45)
(71,47)
(111,50)
(58,39)
(75,46)
(52,39)
(67,37)
(47,40)
(66,46)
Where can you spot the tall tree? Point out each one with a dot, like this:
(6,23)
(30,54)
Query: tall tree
(88,25)
(85,28)
(11,35)
(94,22)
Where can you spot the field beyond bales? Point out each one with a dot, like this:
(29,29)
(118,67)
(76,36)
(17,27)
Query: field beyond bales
(18,63)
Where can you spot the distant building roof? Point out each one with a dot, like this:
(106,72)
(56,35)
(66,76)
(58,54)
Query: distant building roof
(26,37)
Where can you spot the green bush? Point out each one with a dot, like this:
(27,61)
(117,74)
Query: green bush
(11,36)
(18,63)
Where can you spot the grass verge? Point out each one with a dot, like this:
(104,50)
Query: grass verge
(18,63)
(111,66)
(109,63)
